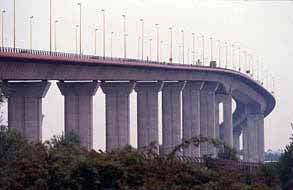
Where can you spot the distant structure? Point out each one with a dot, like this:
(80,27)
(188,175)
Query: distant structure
(196,90)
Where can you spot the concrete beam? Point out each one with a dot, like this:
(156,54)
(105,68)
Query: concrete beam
(171,110)
(191,115)
(207,116)
(78,109)
(117,113)
(147,113)
(25,108)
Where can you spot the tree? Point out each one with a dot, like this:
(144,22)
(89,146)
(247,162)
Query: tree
(286,166)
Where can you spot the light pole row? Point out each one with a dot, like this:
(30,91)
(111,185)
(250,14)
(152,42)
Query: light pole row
(248,59)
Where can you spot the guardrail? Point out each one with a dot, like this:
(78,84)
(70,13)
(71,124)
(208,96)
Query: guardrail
(231,165)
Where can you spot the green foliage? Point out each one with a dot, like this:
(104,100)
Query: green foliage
(62,164)
(286,166)
(22,165)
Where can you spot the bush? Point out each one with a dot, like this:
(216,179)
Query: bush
(62,164)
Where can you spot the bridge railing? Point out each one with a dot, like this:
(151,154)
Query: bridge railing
(231,165)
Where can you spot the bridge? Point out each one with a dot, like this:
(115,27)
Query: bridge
(191,95)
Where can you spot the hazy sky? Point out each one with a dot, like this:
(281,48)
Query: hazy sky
(263,28)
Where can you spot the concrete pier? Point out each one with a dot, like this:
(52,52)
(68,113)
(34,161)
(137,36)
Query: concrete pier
(227,121)
(191,115)
(117,113)
(171,110)
(25,108)
(261,141)
(250,140)
(147,113)
(78,109)
(236,138)
(207,116)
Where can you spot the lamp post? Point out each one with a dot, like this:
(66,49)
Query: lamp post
(183,48)
(239,59)
(171,44)
(104,32)
(211,40)
(31,31)
(76,38)
(55,34)
(14,24)
(50,32)
(138,47)
(95,41)
(193,48)
(158,42)
(111,44)
(161,50)
(150,52)
(124,35)
(219,53)
(233,63)
(2,27)
(142,37)
(226,46)
(203,47)
(80,28)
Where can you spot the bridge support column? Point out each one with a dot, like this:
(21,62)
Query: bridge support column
(261,140)
(207,116)
(253,139)
(227,125)
(191,115)
(236,138)
(171,111)
(25,108)
(147,113)
(78,109)
(117,113)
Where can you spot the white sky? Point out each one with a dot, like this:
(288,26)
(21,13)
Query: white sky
(263,28)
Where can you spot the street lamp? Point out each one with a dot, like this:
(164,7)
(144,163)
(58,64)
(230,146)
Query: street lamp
(233,51)
(2,27)
(161,50)
(239,59)
(124,35)
(138,47)
(14,24)
(219,53)
(50,7)
(226,46)
(104,33)
(193,48)
(183,48)
(31,31)
(111,43)
(171,44)
(203,47)
(76,38)
(55,34)
(212,43)
(142,37)
(158,42)
(150,52)
(95,41)
(80,28)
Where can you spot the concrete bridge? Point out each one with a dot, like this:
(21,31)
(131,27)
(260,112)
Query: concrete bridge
(191,94)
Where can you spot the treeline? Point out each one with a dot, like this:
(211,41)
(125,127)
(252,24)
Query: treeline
(61,164)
